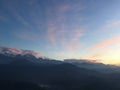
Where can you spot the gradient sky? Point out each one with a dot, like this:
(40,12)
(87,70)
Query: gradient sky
(59,29)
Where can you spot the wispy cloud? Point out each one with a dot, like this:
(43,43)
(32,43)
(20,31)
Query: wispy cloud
(52,33)
(113,24)
(30,23)
(106,43)
(27,34)
(110,25)
(62,26)
(72,42)
(68,39)
(25,13)
(15,12)
(97,56)
(58,32)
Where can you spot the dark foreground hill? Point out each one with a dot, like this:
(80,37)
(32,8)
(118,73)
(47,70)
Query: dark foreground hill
(54,77)
(21,72)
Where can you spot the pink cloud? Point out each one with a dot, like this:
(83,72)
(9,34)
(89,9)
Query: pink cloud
(52,33)
(10,50)
(15,51)
(57,30)
(19,51)
(36,54)
(69,40)
(73,44)
(106,43)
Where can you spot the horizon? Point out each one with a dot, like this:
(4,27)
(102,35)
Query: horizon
(61,29)
(14,51)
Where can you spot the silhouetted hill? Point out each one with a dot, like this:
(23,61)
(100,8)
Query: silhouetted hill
(15,85)
(21,72)
(65,76)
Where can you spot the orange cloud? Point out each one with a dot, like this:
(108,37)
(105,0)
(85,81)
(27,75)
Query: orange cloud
(92,61)
(97,55)
(106,43)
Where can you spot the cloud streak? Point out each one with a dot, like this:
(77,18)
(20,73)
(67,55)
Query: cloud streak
(110,25)
(33,19)
(58,31)
(98,55)
(106,43)
(113,24)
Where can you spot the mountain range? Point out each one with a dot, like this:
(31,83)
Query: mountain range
(33,71)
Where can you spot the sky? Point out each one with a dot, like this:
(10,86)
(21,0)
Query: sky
(60,29)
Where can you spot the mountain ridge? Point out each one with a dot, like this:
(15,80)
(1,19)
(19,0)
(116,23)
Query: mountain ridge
(13,52)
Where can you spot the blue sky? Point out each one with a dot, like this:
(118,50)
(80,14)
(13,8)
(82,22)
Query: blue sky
(63,28)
